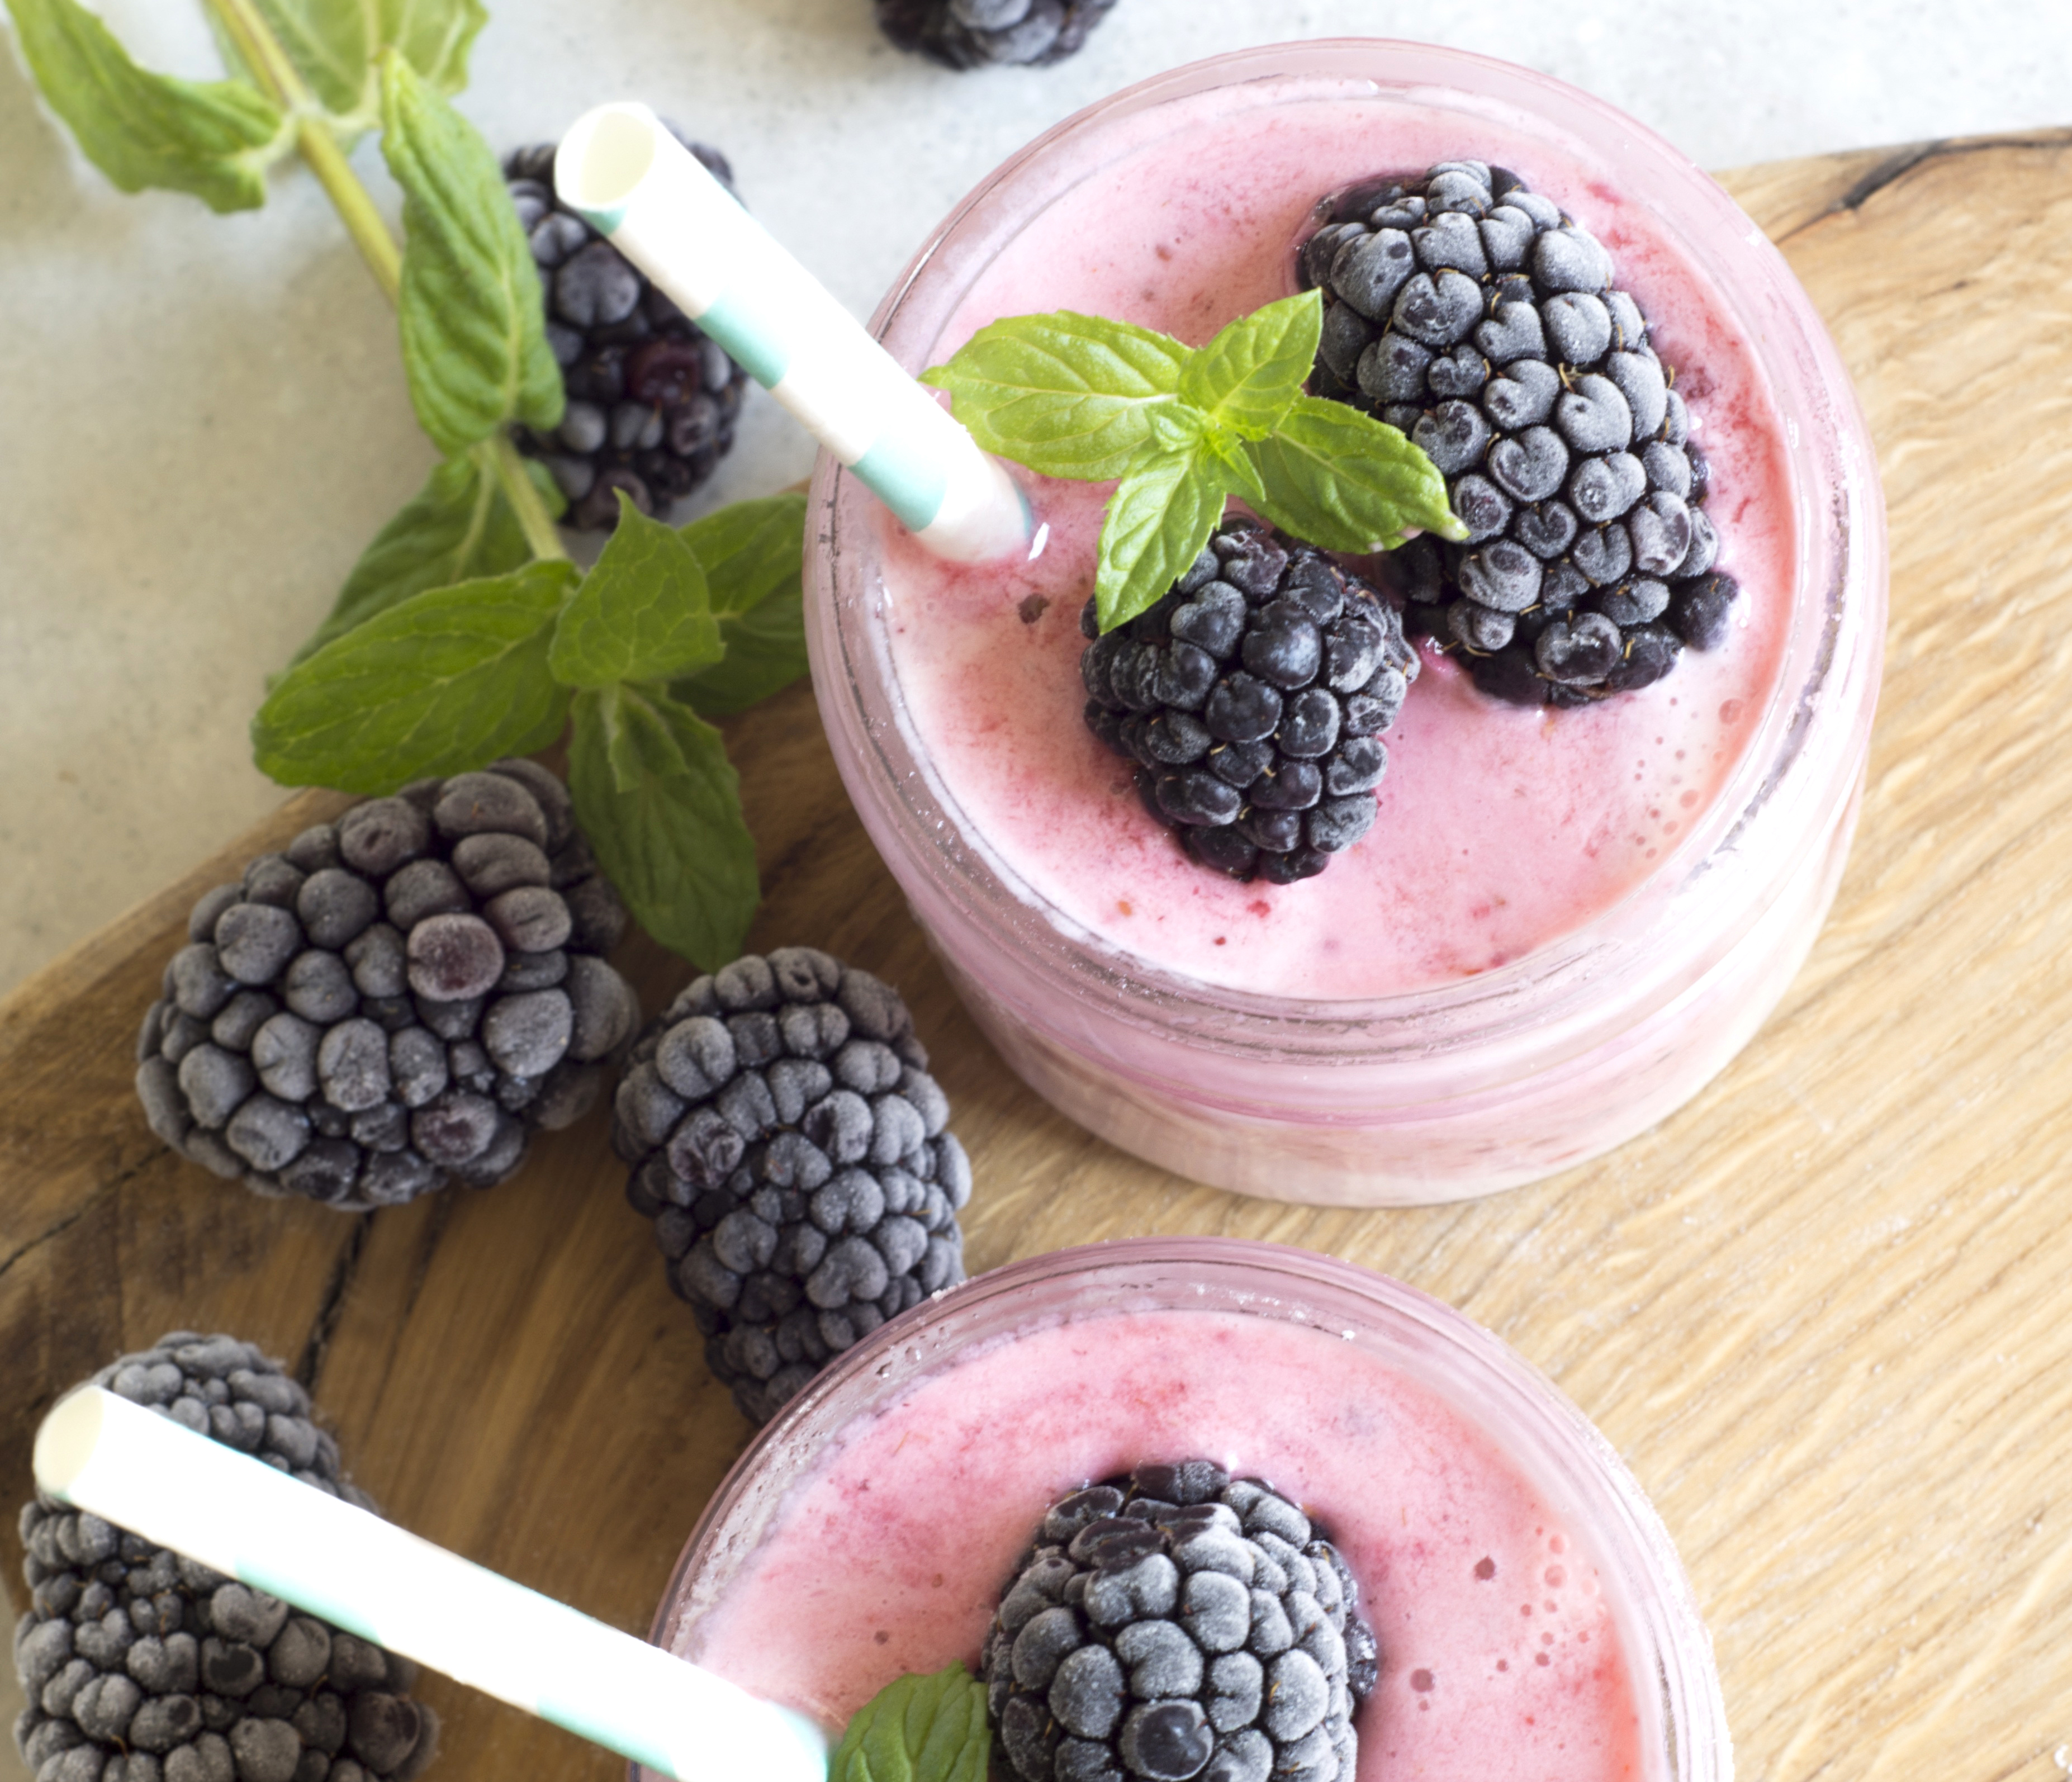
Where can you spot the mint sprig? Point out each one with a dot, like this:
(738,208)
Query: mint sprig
(450,678)
(1183,429)
(464,633)
(918,1728)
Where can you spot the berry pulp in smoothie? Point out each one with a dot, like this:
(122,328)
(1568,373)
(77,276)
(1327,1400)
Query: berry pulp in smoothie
(1500,1652)
(1500,828)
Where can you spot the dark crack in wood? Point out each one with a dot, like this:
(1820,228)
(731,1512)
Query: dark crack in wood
(310,1364)
(47,1233)
(421,1265)
(1903,161)
(421,1269)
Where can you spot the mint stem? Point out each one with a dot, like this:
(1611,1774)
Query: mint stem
(354,204)
(519,491)
(356,209)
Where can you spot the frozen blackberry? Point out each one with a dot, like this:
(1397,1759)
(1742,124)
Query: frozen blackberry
(398,997)
(140,1665)
(1476,316)
(1250,699)
(652,399)
(792,1149)
(1177,1622)
(976,34)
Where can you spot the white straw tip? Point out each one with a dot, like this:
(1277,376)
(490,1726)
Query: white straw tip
(604,156)
(70,1434)
(620,168)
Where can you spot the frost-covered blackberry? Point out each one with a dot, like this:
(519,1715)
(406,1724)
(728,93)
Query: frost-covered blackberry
(140,1665)
(1251,700)
(975,34)
(653,399)
(396,998)
(1474,315)
(794,1153)
(1179,1624)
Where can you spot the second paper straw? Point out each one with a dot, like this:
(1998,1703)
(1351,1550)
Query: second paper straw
(240,1516)
(650,197)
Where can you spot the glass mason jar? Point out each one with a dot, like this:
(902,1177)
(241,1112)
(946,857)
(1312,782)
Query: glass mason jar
(1483,1081)
(818,1572)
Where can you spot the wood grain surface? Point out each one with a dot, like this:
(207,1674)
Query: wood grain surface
(1822,1311)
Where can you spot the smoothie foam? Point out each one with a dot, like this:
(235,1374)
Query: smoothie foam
(1500,828)
(1501,1651)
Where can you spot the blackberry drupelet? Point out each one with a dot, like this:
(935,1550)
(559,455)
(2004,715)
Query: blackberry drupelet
(398,997)
(975,33)
(652,400)
(140,1665)
(1179,1624)
(1251,700)
(793,1152)
(1474,315)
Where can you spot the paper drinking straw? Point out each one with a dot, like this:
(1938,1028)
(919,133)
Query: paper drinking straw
(639,187)
(241,1517)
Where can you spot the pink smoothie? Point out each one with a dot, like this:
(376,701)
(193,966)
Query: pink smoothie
(1500,828)
(1500,1653)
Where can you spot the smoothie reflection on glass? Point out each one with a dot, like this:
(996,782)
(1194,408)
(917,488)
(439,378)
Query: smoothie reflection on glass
(1564,922)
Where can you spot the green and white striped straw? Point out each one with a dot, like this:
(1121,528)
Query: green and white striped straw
(641,189)
(243,1518)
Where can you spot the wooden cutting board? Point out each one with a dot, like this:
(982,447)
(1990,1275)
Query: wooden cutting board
(1825,1312)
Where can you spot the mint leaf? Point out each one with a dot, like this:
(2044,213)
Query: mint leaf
(1187,432)
(751,551)
(1346,482)
(1066,395)
(918,1728)
(1179,429)
(661,805)
(212,138)
(329,42)
(1248,377)
(335,46)
(753,554)
(457,527)
(1158,519)
(475,345)
(444,681)
(641,613)
(1077,396)
(434,36)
